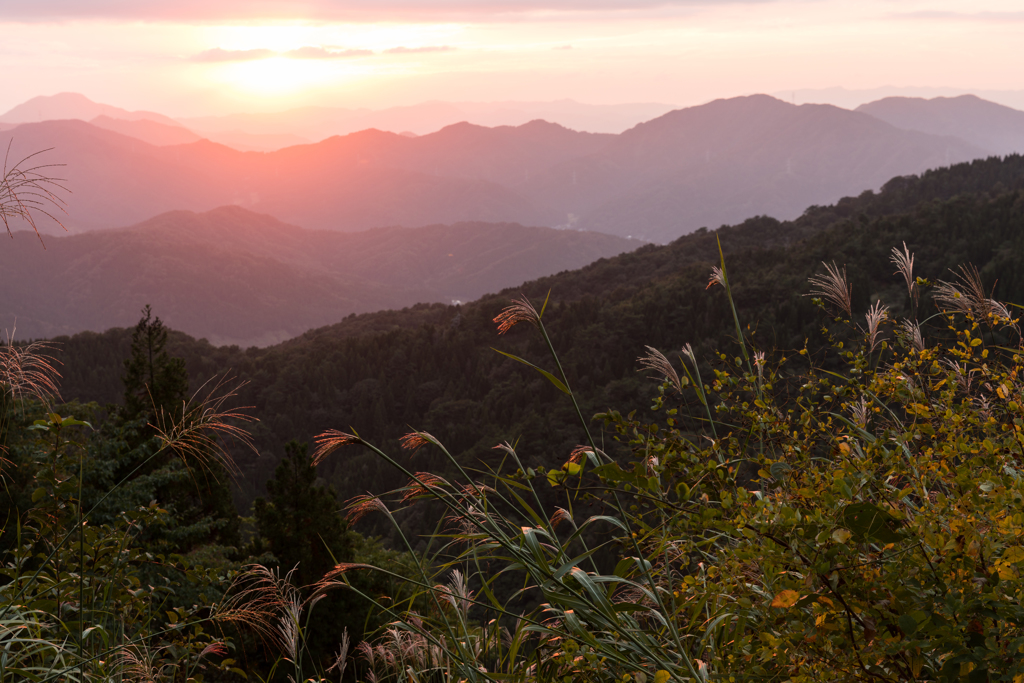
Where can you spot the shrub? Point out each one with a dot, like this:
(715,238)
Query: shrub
(850,516)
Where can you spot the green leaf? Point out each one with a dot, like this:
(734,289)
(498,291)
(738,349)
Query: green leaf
(554,380)
(779,470)
(871,523)
(38,494)
(908,624)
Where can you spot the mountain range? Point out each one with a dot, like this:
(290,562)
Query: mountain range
(236,277)
(689,168)
(987,125)
(266,132)
(434,367)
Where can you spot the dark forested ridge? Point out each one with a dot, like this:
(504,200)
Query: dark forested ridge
(432,367)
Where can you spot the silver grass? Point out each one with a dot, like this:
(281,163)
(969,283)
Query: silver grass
(27,190)
(833,288)
(904,262)
(912,330)
(874,317)
(967,295)
(656,360)
(520,310)
(717,277)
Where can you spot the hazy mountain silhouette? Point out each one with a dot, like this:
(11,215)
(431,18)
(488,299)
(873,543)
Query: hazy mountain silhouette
(159,134)
(70,105)
(116,180)
(729,159)
(991,126)
(318,123)
(237,277)
(255,142)
(701,166)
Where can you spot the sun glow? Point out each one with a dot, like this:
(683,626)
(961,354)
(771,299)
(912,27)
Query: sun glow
(282,75)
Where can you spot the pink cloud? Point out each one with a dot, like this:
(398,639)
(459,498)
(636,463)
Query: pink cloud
(401,50)
(309,52)
(219,55)
(321,10)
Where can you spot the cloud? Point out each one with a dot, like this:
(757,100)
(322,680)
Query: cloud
(995,17)
(219,55)
(310,52)
(202,11)
(402,50)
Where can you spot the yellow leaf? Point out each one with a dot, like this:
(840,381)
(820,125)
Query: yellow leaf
(1014,555)
(841,535)
(786,598)
(661,677)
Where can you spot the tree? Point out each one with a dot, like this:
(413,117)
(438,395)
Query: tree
(301,525)
(153,379)
(156,390)
(300,521)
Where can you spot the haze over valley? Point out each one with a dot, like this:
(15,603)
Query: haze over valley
(367,341)
(696,167)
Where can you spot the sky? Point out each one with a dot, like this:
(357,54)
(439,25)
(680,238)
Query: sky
(207,57)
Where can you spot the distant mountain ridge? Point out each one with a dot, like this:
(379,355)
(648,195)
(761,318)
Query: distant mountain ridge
(70,105)
(434,368)
(236,277)
(272,131)
(988,125)
(694,167)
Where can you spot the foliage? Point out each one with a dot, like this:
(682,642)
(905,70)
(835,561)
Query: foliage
(432,365)
(154,382)
(783,520)
(81,601)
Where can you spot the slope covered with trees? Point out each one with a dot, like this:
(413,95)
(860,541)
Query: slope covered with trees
(434,368)
(819,490)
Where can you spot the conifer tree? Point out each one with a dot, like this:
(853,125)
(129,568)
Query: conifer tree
(153,380)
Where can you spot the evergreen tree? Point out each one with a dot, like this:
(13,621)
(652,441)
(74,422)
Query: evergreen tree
(300,521)
(156,391)
(301,525)
(153,379)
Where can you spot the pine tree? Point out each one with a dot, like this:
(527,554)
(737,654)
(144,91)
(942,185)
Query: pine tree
(154,381)
(304,530)
(156,392)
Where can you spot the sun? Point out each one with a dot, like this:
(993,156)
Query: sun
(280,75)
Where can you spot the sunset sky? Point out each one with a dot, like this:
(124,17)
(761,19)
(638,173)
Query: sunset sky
(196,57)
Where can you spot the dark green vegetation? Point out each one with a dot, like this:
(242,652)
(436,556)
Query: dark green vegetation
(433,367)
(122,554)
(797,504)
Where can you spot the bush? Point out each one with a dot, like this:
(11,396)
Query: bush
(852,516)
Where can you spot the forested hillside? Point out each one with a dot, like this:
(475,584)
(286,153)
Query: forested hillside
(434,368)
